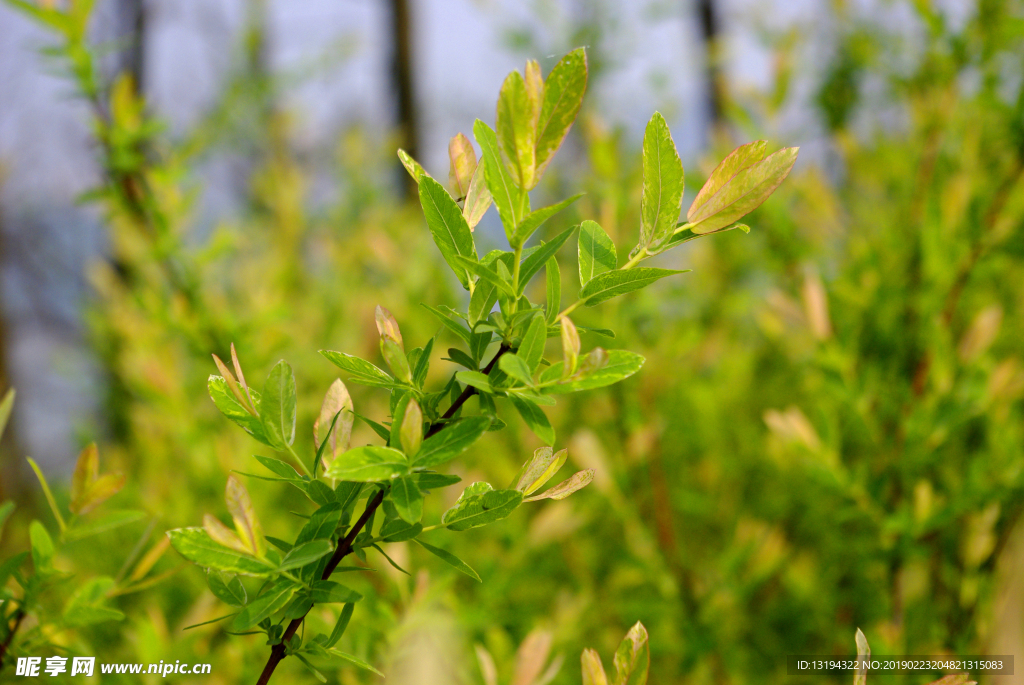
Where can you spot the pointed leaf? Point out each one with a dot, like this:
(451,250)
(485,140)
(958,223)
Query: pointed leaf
(621,364)
(450,441)
(387,327)
(736,161)
(462,165)
(414,168)
(42,546)
(277,406)
(450,559)
(244,514)
(663,183)
(577,481)
(613,283)
(480,505)
(534,417)
(507,196)
(514,366)
(536,219)
(408,499)
(337,402)
(396,360)
(272,600)
(306,553)
(87,470)
(530,657)
(478,198)
(743,193)
(368,464)
(229,407)
(363,371)
(532,264)
(223,535)
(563,95)
(486,274)
(531,349)
(554,291)
(544,464)
(341,625)
(411,433)
(196,545)
(226,588)
(570,347)
(398,530)
(633,657)
(322,524)
(863,652)
(330,592)
(355,661)
(81,529)
(448,227)
(593,670)
(596,251)
(516,126)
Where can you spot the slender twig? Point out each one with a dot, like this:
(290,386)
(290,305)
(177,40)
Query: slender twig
(344,549)
(18,616)
(466,394)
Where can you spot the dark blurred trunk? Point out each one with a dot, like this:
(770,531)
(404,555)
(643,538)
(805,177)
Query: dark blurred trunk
(710,30)
(402,76)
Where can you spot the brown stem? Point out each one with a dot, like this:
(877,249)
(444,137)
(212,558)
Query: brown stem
(344,548)
(466,394)
(19,615)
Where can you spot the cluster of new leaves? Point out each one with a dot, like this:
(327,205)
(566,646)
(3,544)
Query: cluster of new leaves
(503,351)
(56,599)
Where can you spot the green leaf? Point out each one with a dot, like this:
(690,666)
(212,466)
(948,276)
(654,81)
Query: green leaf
(613,283)
(736,161)
(486,274)
(481,302)
(457,328)
(451,441)
(6,405)
(479,505)
(227,588)
(544,464)
(536,219)
(460,357)
(307,553)
(507,196)
(355,661)
(577,481)
(396,360)
(633,657)
(516,126)
(10,565)
(532,264)
(563,95)
(534,417)
(422,363)
(79,529)
(662,196)
(462,165)
(330,592)
(391,561)
(368,464)
(554,291)
(593,669)
(229,407)
(450,559)
(531,349)
(273,599)
(621,364)
(196,545)
(322,524)
(408,499)
(397,530)
(281,468)
(742,193)
(411,433)
(363,371)
(478,199)
(596,251)
(514,366)
(42,546)
(447,225)
(433,481)
(476,379)
(277,408)
(341,625)
(414,168)
(683,233)
(86,605)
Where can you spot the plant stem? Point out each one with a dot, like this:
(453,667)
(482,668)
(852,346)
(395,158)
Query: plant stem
(344,549)
(19,615)
(466,394)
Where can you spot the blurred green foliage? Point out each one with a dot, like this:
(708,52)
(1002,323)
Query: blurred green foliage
(827,433)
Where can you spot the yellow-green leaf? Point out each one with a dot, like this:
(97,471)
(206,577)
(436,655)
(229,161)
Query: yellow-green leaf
(244,514)
(563,95)
(462,165)
(517,129)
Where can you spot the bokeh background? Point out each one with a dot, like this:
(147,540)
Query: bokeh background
(828,430)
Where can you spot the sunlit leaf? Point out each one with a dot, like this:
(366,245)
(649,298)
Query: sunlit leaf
(516,127)
(408,499)
(563,95)
(613,283)
(447,226)
(363,371)
(633,657)
(450,559)
(621,364)
(508,198)
(450,441)
(229,407)
(277,406)
(196,545)
(247,524)
(479,505)
(273,599)
(536,219)
(414,168)
(570,347)
(544,464)
(462,165)
(337,402)
(368,464)
(577,481)
(593,670)
(596,251)
(306,553)
(662,196)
